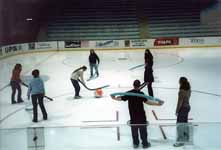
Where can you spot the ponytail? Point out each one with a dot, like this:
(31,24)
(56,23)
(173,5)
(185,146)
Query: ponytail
(83,67)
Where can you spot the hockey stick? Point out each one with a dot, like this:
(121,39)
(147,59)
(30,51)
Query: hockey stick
(44,95)
(4,87)
(138,95)
(94,88)
(142,85)
(135,67)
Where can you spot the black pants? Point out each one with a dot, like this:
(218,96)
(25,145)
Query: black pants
(38,99)
(135,130)
(182,126)
(15,86)
(182,116)
(150,89)
(76,87)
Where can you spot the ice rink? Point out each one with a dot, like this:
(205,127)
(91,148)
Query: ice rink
(100,123)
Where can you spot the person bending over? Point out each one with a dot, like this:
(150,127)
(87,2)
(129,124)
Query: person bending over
(75,76)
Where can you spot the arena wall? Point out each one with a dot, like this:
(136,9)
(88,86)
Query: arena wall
(170,42)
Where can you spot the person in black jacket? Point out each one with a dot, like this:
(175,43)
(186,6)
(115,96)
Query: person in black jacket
(93,62)
(137,114)
(148,73)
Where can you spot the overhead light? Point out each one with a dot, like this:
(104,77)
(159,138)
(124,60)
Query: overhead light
(29,19)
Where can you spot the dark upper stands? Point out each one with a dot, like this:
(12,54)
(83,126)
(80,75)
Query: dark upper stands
(180,19)
(129,19)
(94,21)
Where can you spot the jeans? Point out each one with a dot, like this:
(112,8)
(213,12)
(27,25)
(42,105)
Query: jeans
(15,86)
(92,68)
(38,99)
(182,126)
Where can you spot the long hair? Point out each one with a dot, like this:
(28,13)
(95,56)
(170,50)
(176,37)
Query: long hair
(148,58)
(83,67)
(184,84)
(92,51)
(148,55)
(18,66)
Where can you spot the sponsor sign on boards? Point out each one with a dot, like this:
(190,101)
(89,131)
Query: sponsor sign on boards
(43,45)
(139,43)
(107,43)
(166,41)
(197,41)
(72,44)
(13,48)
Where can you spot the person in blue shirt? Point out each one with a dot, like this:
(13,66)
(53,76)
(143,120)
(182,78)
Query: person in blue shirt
(37,92)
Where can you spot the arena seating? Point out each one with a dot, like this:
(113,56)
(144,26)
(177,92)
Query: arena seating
(106,20)
(130,19)
(178,19)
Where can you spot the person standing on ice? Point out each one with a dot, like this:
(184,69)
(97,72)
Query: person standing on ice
(37,91)
(148,73)
(182,111)
(93,62)
(16,84)
(75,76)
(137,114)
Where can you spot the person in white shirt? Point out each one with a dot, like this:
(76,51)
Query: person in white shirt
(75,76)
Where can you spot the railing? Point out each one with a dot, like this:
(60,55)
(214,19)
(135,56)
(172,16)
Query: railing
(161,136)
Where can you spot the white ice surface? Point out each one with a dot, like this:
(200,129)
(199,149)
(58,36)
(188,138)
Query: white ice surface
(200,65)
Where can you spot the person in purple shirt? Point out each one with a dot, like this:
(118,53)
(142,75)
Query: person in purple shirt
(37,91)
